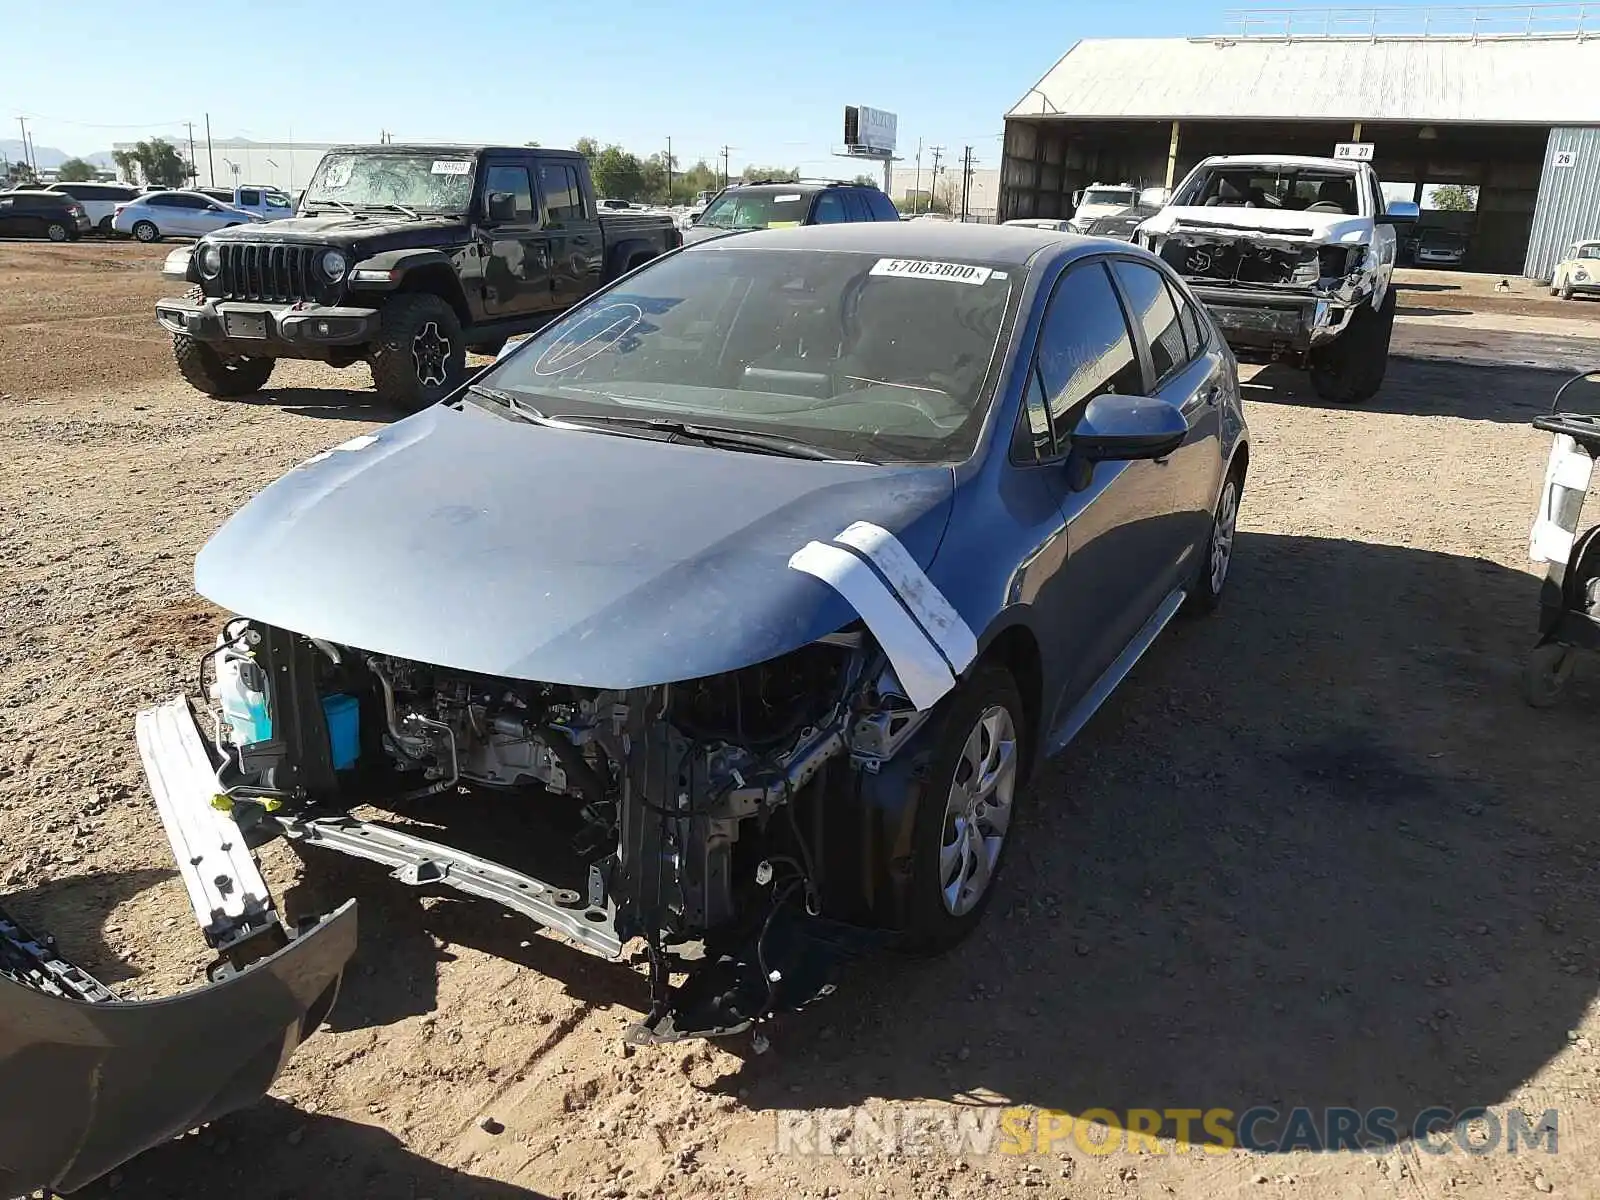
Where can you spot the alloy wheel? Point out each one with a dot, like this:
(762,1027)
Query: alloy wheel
(978,810)
(430,355)
(1222,531)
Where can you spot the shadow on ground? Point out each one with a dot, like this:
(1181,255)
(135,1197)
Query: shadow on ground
(276,1152)
(74,910)
(1428,387)
(1315,852)
(326,403)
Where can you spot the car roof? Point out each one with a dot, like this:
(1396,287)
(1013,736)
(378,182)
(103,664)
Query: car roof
(35,192)
(457,150)
(1013,245)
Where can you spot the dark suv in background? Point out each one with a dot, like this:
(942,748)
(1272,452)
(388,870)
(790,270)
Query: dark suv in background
(778,205)
(32,214)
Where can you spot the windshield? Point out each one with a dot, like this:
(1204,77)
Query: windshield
(756,210)
(276,200)
(867,357)
(1292,188)
(1587,250)
(439,181)
(1119,196)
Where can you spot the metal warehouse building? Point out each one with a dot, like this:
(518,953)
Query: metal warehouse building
(1501,99)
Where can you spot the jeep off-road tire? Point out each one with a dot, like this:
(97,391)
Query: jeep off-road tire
(1351,370)
(216,374)
(420,356)
(488,349)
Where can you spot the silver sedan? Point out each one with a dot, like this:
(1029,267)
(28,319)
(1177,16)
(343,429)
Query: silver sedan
(156,215)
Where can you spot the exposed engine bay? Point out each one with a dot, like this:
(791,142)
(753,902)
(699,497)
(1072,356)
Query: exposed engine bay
(683,814)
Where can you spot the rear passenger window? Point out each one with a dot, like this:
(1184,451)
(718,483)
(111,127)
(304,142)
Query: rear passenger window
(1084,347)
(1151,308)
(882,207)
(1194,334)
(563,201)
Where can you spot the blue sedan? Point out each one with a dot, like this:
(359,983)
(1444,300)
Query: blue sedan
(763,578)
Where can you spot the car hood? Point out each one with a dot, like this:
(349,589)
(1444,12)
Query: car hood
(704,233)
(342,229)
(1260,223)
(462,539)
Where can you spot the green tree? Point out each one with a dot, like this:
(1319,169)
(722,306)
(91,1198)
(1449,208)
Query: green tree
(157,160)
(587,147)
(19,174)
(776,174)
(1453,197)
(75,170)
(617,174)
(535,145)
(865,181)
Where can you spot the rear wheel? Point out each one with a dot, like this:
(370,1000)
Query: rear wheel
(57,232)
(146,231)
(1351,370)
(104,227)
(217,374)
(420,356)
(1212,575)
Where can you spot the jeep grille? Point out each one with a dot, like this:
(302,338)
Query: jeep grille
(270,271)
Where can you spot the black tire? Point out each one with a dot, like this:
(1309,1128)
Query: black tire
(1205,593)
(420,356)
(146,231)
(1351,370)
(57,231)
(103,227)
(1545,674)
(1566,290)
(933,924)
(488,349)
(216,374)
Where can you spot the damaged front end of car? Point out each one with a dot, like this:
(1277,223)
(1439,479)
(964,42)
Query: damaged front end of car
(694,816)
(1284,290)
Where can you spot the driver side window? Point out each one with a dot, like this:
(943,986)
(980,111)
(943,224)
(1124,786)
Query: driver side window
(513,180)
(1084,349)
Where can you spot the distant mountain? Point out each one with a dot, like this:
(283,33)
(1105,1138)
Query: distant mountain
(49,158)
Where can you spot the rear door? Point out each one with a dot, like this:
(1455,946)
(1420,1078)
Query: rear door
(831,208)
(573,232)
(10,219)
(1191,377)
(516,266)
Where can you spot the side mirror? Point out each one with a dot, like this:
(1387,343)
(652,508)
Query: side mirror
(502,206)
(1400,212)
(1123,428)
(1155,197)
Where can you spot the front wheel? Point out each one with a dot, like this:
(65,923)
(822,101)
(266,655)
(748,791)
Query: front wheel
(975,749)
(216,374)
(1545,674)
(1351,370)
(103,228)
(420,356)
(1566,290)
(146,231)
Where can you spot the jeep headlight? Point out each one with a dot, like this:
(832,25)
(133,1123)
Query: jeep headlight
(334,264)
(210,260)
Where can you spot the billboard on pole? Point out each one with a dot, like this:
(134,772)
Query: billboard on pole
(869,130)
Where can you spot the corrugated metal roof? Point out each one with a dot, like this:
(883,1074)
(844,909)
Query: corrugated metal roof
(1537,81)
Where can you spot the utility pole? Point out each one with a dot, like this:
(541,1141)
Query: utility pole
(933,179)
(211,163)
(194,172)
(966,179)
(725,166)
(918,188)
(669,168)
(23,125)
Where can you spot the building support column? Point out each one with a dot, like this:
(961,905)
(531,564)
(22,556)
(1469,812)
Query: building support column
(1172,155)
(1355,134)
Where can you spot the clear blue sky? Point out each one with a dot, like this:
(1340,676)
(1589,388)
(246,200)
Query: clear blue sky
(767,77)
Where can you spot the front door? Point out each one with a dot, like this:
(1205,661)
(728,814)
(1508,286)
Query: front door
(577,252)
(11,222)
(1111,511)
(516,265)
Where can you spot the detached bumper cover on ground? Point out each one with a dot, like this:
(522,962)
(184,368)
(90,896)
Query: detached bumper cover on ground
(88,1083)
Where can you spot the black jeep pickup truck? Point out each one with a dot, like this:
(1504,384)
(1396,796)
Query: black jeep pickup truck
(405,257)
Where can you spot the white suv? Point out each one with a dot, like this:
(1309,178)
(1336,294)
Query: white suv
(99,200)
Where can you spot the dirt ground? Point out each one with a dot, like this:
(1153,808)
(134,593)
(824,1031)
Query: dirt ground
(1316,851)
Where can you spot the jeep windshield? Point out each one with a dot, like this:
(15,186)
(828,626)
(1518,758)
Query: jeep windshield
(864,356)
(432,180)
(756,210)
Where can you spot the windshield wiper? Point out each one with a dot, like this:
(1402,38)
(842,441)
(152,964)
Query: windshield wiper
(400,208)
(336,203)
(712,435)
(520,407)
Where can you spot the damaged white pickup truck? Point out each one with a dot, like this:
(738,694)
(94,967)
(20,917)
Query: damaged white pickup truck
(1292,256)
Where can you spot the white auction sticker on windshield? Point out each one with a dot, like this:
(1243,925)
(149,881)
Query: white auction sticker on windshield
(786,199)
(451,166)
(922,268)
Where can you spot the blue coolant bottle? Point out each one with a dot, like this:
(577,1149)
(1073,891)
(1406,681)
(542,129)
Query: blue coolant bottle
(241,689)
